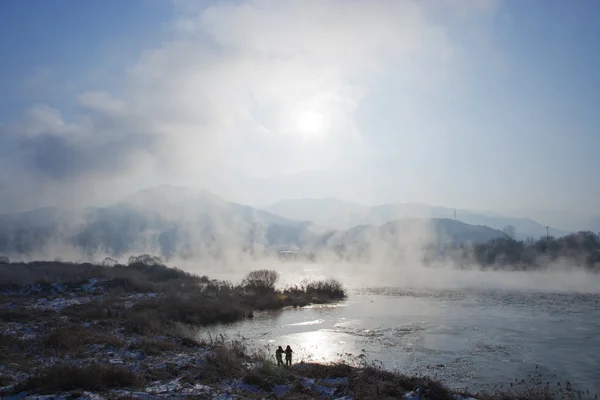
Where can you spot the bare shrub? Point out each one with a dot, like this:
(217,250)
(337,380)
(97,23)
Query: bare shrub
(330,288)
(226,359)
(261,280)
(144,321)
(146,259)
(319,291)
(187,335)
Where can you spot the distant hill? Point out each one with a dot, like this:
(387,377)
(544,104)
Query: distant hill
(327,212)
(165,220)
(408,235)
(172,221)
(337,214)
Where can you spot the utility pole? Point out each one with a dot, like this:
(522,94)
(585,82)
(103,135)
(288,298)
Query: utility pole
(547,235)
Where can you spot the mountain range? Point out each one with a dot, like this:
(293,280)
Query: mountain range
(338,214)
(175,221)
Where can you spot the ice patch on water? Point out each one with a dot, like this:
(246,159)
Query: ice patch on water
(306,323)
(331,305)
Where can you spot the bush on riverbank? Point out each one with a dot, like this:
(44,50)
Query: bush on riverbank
(328,290)
(180,297)
(133,277)
(262,280)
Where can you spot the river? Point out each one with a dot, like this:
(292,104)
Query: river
(468,337)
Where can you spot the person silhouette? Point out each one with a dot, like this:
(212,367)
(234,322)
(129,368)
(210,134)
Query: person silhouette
(279,356)
(288,355)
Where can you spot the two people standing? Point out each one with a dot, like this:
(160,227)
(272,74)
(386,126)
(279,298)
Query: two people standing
(288,355)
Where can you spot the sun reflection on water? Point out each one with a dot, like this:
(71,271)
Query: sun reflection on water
(319,346)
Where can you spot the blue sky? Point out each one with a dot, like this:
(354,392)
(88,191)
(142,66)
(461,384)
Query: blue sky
(65,40)
(473,104)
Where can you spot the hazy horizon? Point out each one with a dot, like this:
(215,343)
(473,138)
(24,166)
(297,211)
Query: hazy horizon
(475,105)
(564,222)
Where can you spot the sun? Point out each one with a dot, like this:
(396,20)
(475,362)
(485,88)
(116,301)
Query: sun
(310,123)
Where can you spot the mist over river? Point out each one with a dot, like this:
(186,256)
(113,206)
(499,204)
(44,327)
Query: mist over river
(467,337)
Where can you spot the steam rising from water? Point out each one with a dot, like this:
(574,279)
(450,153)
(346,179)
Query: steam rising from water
(388,258)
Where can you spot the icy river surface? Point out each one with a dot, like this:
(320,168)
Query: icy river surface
(475,338)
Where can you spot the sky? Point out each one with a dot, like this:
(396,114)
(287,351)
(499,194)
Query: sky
(477,104)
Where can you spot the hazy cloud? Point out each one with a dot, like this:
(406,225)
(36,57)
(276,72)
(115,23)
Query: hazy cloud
(246,88)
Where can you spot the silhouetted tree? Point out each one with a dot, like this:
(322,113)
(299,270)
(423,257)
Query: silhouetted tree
(145,259)
(509,231)
(109,262)
(581,248)
(262,280)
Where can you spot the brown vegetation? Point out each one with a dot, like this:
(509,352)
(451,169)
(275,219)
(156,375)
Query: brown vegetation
(74,338)
(67,377)
(262,280)
(327,290)
(184,297)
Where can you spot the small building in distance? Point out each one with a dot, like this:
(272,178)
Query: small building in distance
(284,252)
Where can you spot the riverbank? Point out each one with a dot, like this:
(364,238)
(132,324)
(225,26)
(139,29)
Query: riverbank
(116,332)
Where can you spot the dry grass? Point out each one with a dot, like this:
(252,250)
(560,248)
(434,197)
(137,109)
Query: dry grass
(266,375)
(95,377)
(372,382)
(153,347)
(10,348)
(534,388)
(226,360)
(185,298)
(318,291)
(144,276)
(6,380)
(156,316)
(24,315)
(75,339)
(108,308)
